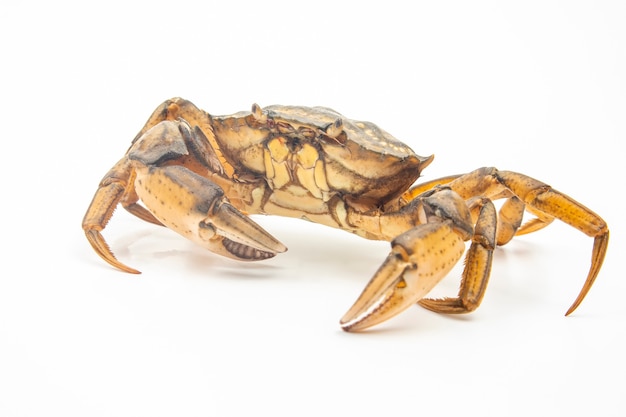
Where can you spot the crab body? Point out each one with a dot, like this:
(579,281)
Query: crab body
(201,176)
(313,163)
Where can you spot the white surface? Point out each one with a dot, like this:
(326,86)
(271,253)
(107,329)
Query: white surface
(538,87)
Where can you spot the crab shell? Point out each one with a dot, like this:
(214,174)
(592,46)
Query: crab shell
(356,159)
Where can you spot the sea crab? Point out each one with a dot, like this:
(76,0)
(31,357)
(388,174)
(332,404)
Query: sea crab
(202,175)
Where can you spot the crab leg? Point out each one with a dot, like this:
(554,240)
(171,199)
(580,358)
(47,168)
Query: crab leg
(110,193)
(178,109)
(547,204)
(427,186)
(477,266)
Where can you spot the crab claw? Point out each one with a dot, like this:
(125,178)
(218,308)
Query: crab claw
(197,209)
(230,233)
(408,273)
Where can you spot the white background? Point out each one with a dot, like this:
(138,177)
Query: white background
(537,87)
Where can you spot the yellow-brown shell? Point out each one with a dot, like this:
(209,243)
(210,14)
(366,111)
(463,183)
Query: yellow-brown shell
(361,160)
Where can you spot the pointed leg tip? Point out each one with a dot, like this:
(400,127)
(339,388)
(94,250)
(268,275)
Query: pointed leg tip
(571,310)
(125,268)
(102,249)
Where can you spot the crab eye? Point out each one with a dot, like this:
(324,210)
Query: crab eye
(334,129)
(334,132)
(258,113)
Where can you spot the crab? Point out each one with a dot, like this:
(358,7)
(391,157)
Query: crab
(202,175)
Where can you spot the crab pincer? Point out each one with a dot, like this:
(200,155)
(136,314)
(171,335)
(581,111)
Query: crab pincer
(196,208)
(411,270)
(176,197)
(189,203)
